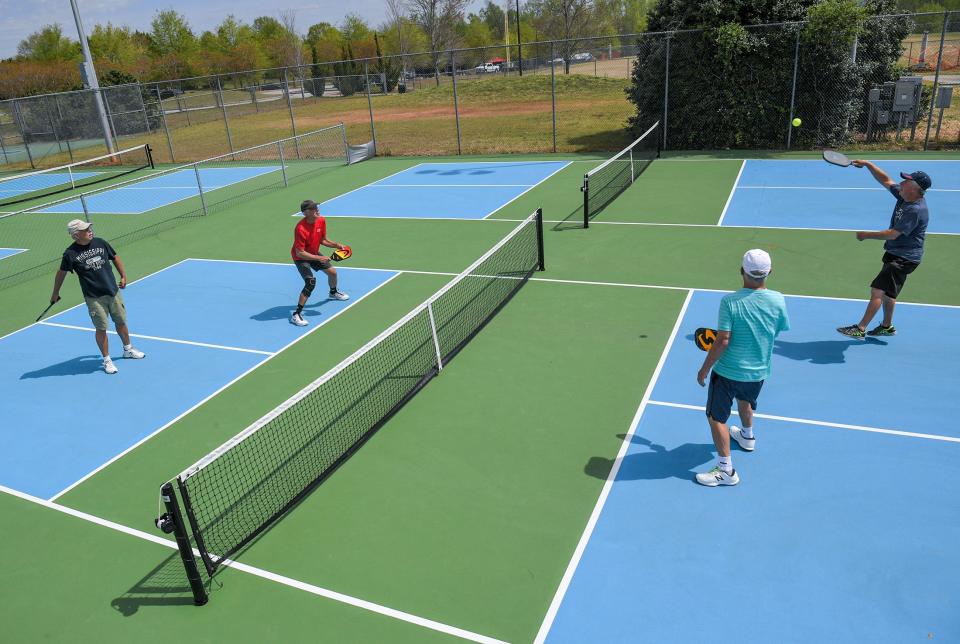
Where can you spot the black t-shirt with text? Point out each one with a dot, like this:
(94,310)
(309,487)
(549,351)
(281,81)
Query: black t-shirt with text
(91,263)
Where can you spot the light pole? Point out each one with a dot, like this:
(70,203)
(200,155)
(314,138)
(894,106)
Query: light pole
(90,77)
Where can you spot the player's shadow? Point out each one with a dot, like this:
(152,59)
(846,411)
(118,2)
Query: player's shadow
(79,366)
(656,463)
(284,312)
(820,351)
(165,585)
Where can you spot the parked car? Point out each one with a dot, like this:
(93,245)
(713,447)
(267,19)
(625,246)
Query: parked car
(170,92)
(486,68)
(582,57)
(557,61)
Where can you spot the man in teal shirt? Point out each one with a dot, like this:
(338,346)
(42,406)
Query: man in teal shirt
(750,320)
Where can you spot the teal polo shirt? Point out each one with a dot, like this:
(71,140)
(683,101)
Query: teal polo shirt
(754,318)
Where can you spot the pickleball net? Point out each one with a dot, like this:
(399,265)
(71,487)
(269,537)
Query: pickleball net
(29,186)
(239,489)
(604,183)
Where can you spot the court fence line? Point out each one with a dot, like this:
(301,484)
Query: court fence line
(39,228)
(851,101)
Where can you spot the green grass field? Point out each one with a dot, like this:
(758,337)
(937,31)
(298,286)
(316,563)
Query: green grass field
(465,508)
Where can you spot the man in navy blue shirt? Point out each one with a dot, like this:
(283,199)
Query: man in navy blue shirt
(903,246)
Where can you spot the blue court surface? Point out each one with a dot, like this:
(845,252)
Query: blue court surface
(443,190)
(844,526)
(163,190)
(7,252)
(202,324)
(18,186)
(815,194)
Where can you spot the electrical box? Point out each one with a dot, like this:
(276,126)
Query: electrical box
(906,94)
(874,96)
(883,117)
(944,96)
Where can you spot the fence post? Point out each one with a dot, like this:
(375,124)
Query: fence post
(456,103)
(203,201)
(553,95)
(366,81)
(223,108)
(86,209)
(293,121)
(283,165)
(18,117)
(936,79)
(106,104)
(793,91)
(163,118)
(666,93)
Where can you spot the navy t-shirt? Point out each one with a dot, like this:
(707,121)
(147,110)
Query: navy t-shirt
(910,219)
(91,263)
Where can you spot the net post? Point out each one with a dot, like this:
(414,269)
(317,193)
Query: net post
(283,165)
(346,146)
(586,201)
(196,171)
(433,333)
(73,183)
(149,152)
(633,174)
(541,264)
(175,521)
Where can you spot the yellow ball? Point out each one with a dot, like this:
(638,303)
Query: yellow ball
(796,122)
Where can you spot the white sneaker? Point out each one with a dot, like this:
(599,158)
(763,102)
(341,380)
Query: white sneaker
(109,367)
(133,353)
(746,444)
(337,295)
(716,477)
(297,319)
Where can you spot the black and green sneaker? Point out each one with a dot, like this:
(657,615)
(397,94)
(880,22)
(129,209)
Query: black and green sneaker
(852,331)
(882,330)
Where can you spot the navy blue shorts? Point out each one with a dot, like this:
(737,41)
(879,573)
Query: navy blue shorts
(722,391)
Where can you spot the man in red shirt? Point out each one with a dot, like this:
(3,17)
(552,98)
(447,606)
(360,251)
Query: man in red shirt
(308,236)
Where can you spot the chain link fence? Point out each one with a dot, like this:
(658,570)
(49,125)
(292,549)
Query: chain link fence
(736,87)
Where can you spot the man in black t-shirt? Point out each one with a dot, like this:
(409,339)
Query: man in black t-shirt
(89,257)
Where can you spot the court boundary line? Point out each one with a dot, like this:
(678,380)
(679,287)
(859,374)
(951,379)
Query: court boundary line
(733,191)
(453,185)
(131,188)
(219,390)
(326,593)
(551,614)
(821,423)
(159,339)
(838,188)
(19,250)
(562,167)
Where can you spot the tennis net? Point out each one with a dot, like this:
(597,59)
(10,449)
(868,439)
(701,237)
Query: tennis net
(43,183)
(604,183)
(237,490)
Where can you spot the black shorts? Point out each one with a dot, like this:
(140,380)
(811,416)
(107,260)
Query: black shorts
(722,391)
(304,266)
(893,275)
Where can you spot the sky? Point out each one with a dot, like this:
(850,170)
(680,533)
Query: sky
(20,18)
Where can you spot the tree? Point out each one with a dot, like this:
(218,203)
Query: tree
(492,17)
(732,77)
(438,19)
(115,45)
(564,20)
(172,44)
(48,45)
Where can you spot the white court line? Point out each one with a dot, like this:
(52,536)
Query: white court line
(159,339)
(215,393)
(263,574)
(453,185)
(608,484)
(19,250)
(733,189)
(835,188)
(823,423)
(563,167)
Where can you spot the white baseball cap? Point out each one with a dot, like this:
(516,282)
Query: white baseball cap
(756,263)
(76,225)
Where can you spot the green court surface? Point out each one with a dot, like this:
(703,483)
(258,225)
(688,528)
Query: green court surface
(458,519)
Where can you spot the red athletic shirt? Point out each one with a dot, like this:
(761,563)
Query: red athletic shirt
(307,237)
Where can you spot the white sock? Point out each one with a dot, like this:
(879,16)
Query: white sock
(746,432)
(107,359)
(127,347)
(726,464)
